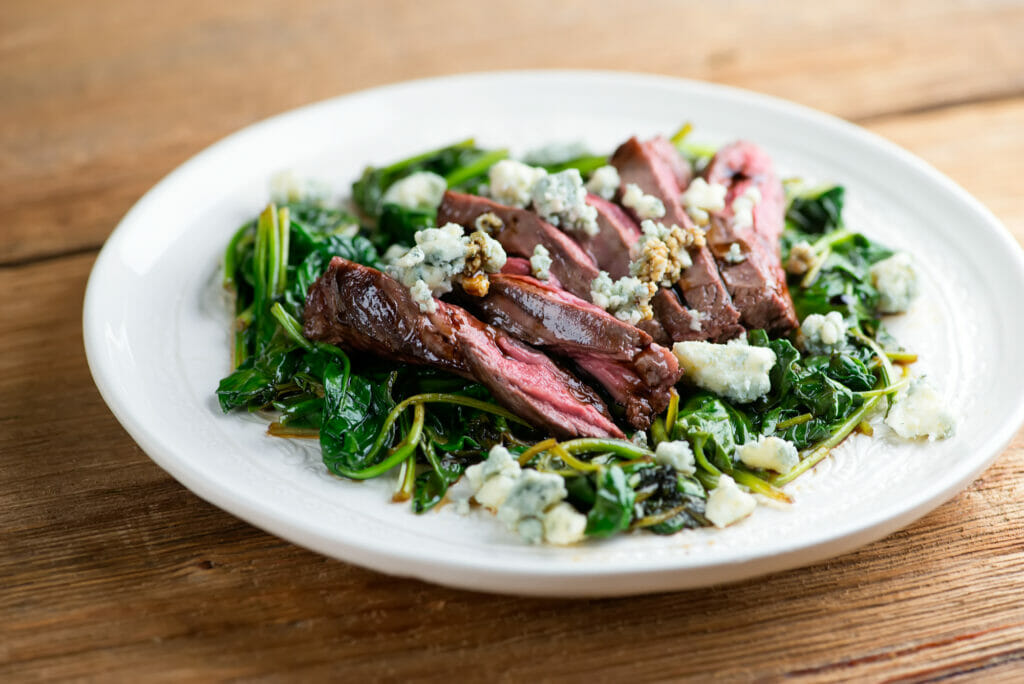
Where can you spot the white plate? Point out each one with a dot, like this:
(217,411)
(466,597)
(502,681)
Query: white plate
(156,331)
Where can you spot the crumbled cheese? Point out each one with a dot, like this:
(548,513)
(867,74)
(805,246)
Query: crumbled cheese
(639,438)
(564,525)
(286,186)
(896,282)
(420,292)
(743,207)
(421,190)
(393,253)
(556,153)
(662,252)
(734,371)
(801,258)
(727,503)
(540,263)
(695,318)
(921,412)
(701,198)
(511,182)
(531,496)
(561,200)
(628,298)
(822,334)
(604,182)
(735,254)
(493,479)
(677,454)
(488,223)
(772,453)
(644,206)
(443,253)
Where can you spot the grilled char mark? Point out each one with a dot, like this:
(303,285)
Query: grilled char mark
(636,373)
(544,316)
(612,247)
(360,308)
(758,282)
(523,230)
(645,165)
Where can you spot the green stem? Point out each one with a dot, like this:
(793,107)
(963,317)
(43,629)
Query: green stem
(401,452)
(406,480)
(573,462)
(231,254)
(756,484)
(619,447)
(290,326)
(658,433)
(795,420)
(889,389)
(284,228)
(681,134)
(672,413)
(702,460)
(399,165)
(812,457)
(585,165)
(475,168)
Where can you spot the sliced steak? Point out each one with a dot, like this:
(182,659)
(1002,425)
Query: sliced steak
(668,153)
(645,164)
(360,308)
(681,324)
(524,230)
(754,274)
(613,244)
(521,266)
(637,373)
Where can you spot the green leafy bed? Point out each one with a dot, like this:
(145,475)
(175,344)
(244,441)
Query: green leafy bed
(430,426)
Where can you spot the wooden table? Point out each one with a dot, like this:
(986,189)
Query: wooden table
(108,567)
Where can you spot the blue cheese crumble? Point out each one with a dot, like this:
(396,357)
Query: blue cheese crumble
(628,298)
(727,503)
(529,499)
(920,412)
(770,453)
(493,479)
(822,334)
(604,182)
(561,200)
(896,282)
(701,198)
(743,207)
(677,454)
(735,371)
(644,206)
(422,190)
(440,254)
(511,182)
(540,263)
(735,254)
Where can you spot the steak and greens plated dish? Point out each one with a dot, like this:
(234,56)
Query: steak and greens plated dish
(585,345)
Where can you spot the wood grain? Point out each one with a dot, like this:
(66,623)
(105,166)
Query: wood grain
(107,102)
(111,570)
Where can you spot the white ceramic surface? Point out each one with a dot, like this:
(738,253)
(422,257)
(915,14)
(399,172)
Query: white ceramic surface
(156,331)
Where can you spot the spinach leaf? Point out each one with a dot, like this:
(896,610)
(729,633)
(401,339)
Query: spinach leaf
(398,225)
(431,486)
(355,408)
(663,491)
(707,421)
(613,504)
(820,212)
(824,397)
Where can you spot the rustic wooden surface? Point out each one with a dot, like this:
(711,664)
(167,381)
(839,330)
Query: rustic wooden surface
(110,569)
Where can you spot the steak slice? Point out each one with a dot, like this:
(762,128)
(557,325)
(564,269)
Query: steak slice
(755,277)
(637,373)
(617,232)
(360,308)
(524,230)
(680,323)
(521,266)
(645,164)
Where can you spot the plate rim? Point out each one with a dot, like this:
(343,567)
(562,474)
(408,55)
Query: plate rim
(658,574)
